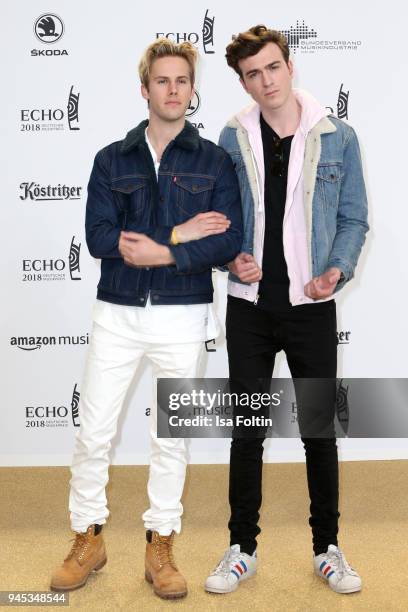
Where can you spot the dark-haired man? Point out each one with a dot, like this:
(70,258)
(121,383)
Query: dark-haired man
(305,220)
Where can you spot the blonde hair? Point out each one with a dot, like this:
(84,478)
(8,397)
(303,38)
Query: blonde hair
(164,47)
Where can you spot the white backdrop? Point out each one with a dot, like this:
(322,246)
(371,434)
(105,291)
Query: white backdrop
(47,299)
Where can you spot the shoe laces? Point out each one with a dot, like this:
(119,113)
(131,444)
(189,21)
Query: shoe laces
(338,561)
(229,559)
(164,550)
(79,547)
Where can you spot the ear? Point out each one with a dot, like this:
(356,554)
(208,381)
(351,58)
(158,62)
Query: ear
(290,68)
(145,92)
(241,80)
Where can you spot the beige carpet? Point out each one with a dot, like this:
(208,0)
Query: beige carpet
(374,505)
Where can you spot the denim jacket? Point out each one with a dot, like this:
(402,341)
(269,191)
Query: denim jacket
(195,175)
(325,178)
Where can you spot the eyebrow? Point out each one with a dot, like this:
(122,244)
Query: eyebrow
(254,70)
(181,76)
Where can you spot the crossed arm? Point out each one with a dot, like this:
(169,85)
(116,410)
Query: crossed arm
(139,250)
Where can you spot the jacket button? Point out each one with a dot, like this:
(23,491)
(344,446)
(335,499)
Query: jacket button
(141,300)
(194,187)
(155,297)
(165,167)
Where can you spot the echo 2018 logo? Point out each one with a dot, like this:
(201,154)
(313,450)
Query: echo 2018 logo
(53,416)
(52,118)
(207,35)
(53,269)
(342,104)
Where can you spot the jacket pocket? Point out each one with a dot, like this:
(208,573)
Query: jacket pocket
(328,183)
(193,194)
(131,195)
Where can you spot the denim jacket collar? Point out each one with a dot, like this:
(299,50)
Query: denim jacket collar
(187,139)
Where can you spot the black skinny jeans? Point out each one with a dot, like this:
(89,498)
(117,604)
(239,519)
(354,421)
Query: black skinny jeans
(307,334)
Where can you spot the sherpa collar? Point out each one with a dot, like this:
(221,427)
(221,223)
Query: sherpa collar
(188,138)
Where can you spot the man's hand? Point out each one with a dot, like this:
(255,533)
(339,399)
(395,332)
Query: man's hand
(245,267)
(202,225)
(323,286)
(140,251)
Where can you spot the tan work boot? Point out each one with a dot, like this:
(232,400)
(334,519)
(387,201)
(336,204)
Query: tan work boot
(160,567)
(87,554)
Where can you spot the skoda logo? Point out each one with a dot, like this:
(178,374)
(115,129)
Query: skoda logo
(49,28)
(194,104)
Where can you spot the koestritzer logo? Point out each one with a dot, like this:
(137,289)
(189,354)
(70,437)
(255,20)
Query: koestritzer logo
(343,337)
(49,193)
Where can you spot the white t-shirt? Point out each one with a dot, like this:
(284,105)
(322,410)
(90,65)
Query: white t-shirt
(159,323)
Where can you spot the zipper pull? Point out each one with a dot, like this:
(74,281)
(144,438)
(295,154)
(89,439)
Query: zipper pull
(256,299)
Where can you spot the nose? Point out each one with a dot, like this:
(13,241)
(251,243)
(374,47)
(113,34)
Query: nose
(173,88)
(267,79)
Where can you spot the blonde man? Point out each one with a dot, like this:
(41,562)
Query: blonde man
(163,208)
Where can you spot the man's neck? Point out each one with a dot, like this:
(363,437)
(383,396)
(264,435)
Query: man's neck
(285,120)
(160,133)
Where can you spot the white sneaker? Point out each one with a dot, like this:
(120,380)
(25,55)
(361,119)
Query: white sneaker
(233,568)
(333,567)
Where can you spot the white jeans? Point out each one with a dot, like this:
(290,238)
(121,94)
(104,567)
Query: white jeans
(111,364)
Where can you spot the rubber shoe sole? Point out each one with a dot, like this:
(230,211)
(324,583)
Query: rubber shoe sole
(341,591)
(229,590)
(162,594)
(80,584)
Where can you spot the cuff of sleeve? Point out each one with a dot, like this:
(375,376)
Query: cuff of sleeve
(162,235)
(345,268)
(181,257)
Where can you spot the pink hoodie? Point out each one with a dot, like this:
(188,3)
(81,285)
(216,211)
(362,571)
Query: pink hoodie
(295,235)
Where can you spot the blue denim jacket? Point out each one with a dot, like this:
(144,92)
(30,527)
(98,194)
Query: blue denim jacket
(338,208)
(195,175)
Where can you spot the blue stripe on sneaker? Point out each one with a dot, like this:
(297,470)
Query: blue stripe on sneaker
(236,573)
(243,565)
(330,574)
(323,563)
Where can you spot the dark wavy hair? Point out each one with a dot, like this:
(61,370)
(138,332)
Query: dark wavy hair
(251,42)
